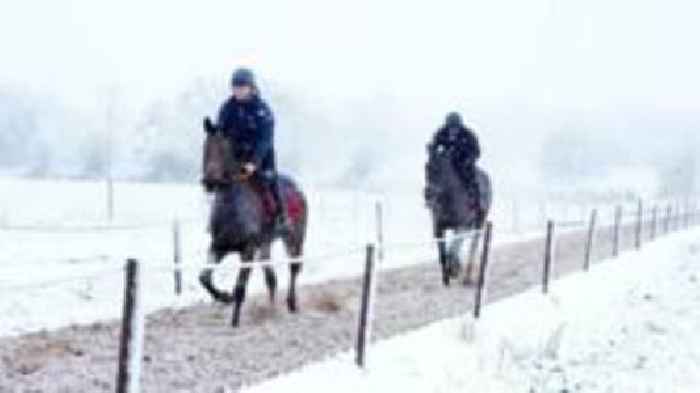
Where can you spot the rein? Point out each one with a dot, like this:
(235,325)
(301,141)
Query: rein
(241,177)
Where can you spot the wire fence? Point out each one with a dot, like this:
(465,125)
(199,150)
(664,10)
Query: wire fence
(167,264)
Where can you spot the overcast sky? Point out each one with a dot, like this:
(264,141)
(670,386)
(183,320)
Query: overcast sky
(540,53)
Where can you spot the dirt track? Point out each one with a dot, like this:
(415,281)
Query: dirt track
(194,350)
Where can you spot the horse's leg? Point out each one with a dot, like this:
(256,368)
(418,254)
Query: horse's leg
(295,251)
(214,257)
(241,284)
(439,233)
(473,248)
(454,253)
(270,276)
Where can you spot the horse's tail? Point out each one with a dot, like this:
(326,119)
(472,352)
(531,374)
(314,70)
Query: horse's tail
(296,201)
(485,189)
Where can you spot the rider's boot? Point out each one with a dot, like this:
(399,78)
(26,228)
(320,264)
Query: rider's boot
(282,222)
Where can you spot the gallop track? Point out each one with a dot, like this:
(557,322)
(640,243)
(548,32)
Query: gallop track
(194,349)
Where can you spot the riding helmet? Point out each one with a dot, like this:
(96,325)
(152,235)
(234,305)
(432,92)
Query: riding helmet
(453,119)
(243,77)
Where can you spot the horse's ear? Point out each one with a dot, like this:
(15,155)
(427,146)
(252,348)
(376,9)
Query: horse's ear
(209,127)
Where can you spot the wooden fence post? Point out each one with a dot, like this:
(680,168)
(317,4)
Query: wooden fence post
(616,231)
(110,198)
(654,221)
(379,212)
(364,325)
(131,340)
(177,257)
(590,241)
(638,227)
(483,271)
(548,257)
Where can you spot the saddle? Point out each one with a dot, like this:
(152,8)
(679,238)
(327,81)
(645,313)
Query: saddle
(292,199)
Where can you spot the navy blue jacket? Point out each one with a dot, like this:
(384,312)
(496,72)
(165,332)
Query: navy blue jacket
(461,141)
(250,125)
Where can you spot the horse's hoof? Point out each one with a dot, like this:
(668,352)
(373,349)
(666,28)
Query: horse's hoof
(235,320)
(446,281)
(454,272)
(224,298)
(292,306)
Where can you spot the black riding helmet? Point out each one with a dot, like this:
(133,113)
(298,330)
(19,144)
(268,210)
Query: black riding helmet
(243,77)
(454,119)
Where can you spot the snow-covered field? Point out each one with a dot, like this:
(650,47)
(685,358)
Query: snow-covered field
(629,325)
(61,261)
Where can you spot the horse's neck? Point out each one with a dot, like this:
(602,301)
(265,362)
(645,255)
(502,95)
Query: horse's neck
(239,192)
(449,175)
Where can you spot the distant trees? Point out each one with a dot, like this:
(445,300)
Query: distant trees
(18,127)
(573,156)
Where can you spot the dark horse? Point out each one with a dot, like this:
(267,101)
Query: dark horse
(242,220)
(457,207)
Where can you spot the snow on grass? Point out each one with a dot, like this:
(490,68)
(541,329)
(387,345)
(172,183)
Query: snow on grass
(629,325)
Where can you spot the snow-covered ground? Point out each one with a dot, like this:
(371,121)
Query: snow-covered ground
(629,325)
(61,261)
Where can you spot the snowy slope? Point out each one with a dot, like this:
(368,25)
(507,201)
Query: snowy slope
(630,325)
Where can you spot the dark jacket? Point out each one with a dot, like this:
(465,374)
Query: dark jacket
(461,142)
(250,125)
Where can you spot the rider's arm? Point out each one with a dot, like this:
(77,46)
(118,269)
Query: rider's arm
(472,143)
(438,141)
(266,126)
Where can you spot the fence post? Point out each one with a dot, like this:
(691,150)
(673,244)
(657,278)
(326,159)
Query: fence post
(356,214)
(110,198)
(548,257)
(177,257)
(131,339)
(483,269)
(590,240)
(379,211)
(638,227)
(654,220)
(691,214)
(364,326)
(616,231)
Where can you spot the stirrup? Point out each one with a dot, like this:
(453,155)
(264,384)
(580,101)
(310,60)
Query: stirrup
(283,223)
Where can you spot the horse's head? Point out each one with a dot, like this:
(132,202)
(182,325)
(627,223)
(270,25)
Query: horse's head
(222,160)
(217,164)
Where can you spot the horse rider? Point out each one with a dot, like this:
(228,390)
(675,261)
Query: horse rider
(456,139)
(247,119)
